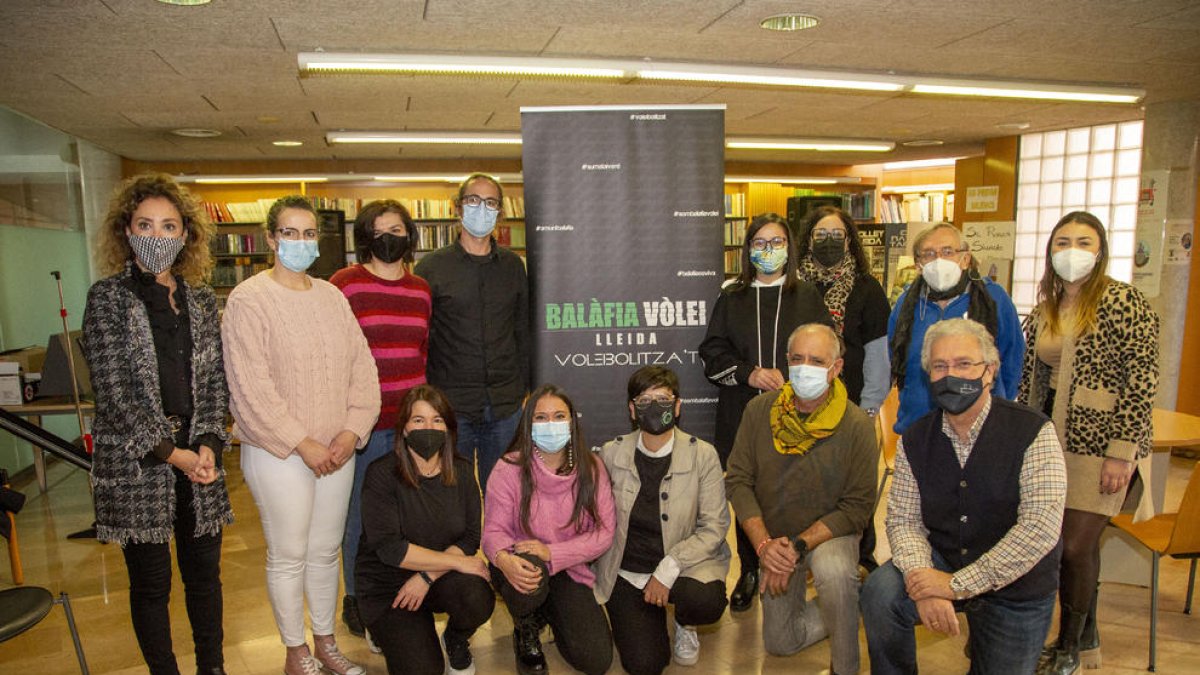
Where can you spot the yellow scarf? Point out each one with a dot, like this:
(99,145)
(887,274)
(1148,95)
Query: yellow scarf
(795,433)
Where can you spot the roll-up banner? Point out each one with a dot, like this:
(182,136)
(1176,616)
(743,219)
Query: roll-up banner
(623,222)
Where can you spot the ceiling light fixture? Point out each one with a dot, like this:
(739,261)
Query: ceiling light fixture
(234,180)
(450,64)
(923,143)
(932,187)
(786,179)
(1013,126)
(456,137)
(921,163)
(789,22)
(818,144)
(193,132)
(185,3)
(287,144)
(317,63)
(506,178)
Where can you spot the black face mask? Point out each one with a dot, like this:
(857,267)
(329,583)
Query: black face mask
(657,418)
(956,394)
(425,442)
(829,252)
(388,247)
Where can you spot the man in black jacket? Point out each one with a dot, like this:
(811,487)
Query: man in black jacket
(479,334)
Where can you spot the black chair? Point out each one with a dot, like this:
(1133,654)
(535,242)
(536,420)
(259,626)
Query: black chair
(24,607)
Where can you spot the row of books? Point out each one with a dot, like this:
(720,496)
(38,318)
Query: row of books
(431,236)
(859,205)
(240,243)
(733,262)
(238,212)
(419,209)
(735,231)
(930,207)
(232,272)
(735,204)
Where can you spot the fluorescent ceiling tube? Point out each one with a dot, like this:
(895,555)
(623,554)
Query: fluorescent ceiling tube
(921,163)
(787,179)
(423,137)
(1029,90)
(932,187)
(819,144)
(774,77)
(252,179)
(452,64)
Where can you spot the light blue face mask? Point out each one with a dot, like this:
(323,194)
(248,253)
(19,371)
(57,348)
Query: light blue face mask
(808,382)
(551,437)
(769,260)
(479,220)
(297,255)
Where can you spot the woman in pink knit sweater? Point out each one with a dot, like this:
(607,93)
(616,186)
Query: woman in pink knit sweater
(305,394)
(548,513)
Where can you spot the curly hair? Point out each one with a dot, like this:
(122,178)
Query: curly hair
(112,249)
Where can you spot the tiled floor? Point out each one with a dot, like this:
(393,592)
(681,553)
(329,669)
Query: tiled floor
(94,576)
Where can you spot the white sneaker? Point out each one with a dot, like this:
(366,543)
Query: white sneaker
(687,645)
(371,643)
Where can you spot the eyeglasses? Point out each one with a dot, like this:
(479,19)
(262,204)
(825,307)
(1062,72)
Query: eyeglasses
(949,252)
(822,235)
(491,203)
(773,243)
(960,367)
(292,234)
(643,402)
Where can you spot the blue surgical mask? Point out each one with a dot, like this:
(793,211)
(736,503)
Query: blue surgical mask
(769,260)
(808,382)
(479,220)
(297,255)
(551,436)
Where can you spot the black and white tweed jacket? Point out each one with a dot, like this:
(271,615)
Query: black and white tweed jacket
(136,503)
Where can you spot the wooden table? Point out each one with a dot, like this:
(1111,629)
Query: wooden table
(50,405)
(1122,559)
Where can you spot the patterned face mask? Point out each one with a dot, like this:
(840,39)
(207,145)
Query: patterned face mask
(155,254)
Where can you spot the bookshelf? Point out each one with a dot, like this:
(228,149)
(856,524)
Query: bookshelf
(929,206)
(735,231)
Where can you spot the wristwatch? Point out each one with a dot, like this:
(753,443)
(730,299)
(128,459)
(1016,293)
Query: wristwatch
(959,593)
(801,548)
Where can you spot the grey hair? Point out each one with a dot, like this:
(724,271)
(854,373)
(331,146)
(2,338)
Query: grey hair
(839,348)
(949,327)
(924,234)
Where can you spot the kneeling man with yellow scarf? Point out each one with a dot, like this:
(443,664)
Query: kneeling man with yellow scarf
(801,479)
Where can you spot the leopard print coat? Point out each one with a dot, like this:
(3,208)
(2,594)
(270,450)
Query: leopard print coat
(136,503)
(1110,375)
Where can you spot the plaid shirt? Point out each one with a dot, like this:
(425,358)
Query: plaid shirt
(1043,489)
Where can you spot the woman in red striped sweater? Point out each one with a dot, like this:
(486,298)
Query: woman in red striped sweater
(392,306)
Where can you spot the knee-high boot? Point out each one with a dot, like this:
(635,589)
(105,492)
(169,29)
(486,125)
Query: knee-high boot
(1065,659)
(1089,641)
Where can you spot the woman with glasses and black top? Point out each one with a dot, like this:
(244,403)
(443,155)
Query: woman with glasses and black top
(548,513)
(420,532)
(949,287)
(832,258)
(152,341)
(304,393)
(745,349)
(672,519)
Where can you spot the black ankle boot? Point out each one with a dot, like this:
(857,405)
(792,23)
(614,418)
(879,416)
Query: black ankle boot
(350,615)
(1089,641)
(744,591)
(527,645)
(1065,659)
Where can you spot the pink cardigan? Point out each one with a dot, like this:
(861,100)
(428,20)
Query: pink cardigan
(298,365)
(549,517)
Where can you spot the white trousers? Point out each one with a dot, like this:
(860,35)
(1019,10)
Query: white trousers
(303,518)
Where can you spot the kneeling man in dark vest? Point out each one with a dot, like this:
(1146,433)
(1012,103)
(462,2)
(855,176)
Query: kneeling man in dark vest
(974,518)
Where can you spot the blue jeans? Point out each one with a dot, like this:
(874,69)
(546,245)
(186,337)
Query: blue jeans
(486,440)
(1006,636)
(380,444)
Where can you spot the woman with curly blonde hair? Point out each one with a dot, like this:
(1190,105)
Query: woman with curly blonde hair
(112,244)
(152,340)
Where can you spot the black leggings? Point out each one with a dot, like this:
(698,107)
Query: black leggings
(409,639)
(1080,568)
(580,627)
(640,629)
(149,567)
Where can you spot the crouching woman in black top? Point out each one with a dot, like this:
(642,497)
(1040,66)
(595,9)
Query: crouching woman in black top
(421,519)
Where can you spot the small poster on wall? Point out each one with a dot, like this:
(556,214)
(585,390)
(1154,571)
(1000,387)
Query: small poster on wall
(1151,226)
(983,199)
(1178,250)
(873,238)
(993,245)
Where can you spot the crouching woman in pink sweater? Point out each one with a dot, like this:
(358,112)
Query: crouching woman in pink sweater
(548,513)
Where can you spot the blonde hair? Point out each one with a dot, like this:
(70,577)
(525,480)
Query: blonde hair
(1051,290)
(112,249)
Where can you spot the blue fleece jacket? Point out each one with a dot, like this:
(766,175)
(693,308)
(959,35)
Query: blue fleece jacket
(915,400)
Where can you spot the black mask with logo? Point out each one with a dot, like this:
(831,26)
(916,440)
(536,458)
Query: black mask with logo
(388,247)
(829,252)
(956,394)
(657,418)
(425,442)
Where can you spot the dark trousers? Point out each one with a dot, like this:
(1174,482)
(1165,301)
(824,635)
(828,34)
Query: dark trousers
(149,568)
(409,640)
(580,627)
(640,629)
